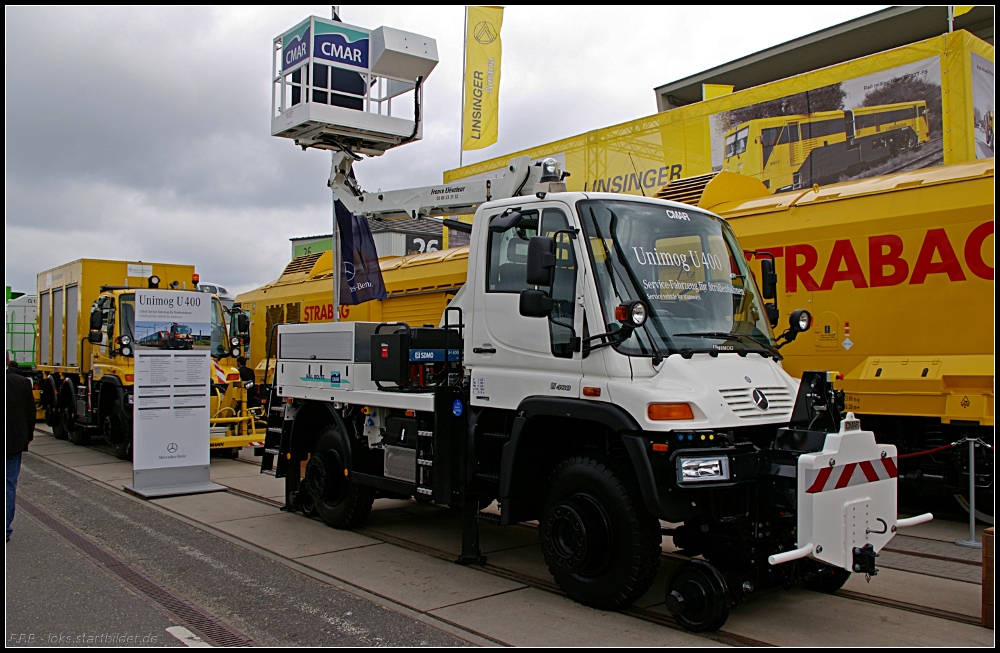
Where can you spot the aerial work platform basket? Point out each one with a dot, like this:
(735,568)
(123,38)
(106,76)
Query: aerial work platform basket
(333,86)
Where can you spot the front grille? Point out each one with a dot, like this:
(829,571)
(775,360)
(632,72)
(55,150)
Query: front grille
(740,400)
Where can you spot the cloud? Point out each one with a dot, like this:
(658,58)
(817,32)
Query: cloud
(144,132)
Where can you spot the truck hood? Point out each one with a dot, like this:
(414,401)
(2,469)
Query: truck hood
(729,392)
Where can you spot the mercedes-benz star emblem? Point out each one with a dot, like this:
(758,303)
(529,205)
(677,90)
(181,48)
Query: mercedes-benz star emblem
(172,447)
(759,399)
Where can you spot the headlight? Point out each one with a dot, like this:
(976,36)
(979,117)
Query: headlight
(702,468)
(235,353)
(126,340)
(234,341)
(126,351)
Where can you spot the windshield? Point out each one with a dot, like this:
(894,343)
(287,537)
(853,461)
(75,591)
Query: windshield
(736,142)
(220,341)
(181,328)
(687,267)
(126,312)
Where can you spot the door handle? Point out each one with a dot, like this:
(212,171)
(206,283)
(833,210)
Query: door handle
(483,350)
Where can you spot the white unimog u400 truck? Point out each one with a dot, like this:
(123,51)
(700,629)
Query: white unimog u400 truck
(608,366)
(610,363)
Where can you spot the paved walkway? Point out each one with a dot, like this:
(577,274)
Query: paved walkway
(379,561)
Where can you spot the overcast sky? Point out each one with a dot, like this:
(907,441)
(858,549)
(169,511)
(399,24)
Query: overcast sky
(143,133)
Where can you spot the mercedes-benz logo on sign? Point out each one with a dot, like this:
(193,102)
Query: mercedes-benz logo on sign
(172,447)
(759,399)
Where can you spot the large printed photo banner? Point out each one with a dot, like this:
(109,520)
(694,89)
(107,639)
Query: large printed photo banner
(983,102)
(173,334)
(871,125)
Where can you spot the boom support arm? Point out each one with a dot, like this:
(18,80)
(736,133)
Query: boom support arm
(445,199)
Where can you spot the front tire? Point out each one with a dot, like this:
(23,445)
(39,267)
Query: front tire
(119,431)
(599,543)
(338,502)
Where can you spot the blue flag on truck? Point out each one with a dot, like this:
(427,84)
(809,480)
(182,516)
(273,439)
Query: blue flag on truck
(362,278)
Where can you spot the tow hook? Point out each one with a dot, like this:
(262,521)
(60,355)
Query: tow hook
(864,560)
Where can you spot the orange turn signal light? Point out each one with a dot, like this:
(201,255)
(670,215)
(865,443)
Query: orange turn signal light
(130,378)
(659,412)
(591,392)
(411,413)
(661,448)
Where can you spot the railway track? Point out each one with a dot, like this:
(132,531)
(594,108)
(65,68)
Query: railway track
(645,614)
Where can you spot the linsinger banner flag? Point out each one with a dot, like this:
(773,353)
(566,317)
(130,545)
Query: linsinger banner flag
(362,278)
(482,77)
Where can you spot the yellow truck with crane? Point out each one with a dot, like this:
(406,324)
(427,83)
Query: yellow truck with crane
(85,348)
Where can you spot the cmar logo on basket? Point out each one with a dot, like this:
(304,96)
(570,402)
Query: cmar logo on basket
(341,45)
(294,47)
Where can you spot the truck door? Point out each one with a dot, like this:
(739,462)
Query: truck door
(513,357)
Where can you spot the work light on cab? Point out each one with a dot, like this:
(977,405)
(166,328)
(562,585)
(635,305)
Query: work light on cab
(154,281)
(632,314)
(800,320)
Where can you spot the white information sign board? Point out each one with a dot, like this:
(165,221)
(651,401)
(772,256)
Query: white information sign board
(173,366)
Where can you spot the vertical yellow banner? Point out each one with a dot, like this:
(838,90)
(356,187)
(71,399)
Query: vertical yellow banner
(482,77)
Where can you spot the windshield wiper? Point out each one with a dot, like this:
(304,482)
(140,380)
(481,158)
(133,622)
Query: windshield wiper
(733,336)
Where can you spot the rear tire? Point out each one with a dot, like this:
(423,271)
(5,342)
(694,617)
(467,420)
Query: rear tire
(54,418)
(338,502)
(599,543)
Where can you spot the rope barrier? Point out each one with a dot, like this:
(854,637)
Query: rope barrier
(944,448)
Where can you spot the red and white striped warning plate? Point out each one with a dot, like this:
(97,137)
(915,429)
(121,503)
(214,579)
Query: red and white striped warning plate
(841,476)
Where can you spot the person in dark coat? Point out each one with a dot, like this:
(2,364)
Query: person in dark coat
(20,431)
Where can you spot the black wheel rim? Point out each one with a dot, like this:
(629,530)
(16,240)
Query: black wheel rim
(697,596)
(579,535)
(324,478)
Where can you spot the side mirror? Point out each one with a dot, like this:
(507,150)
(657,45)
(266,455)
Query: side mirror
(94,337)
(541,261)
(96,320)
(243,324)
(769,280)
(772,314)
(535,303)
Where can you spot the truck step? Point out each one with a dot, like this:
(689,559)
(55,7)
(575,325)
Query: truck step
(497,436)
(273,452)
(488,476)
(425,490)
(490,517)
(278,409)
(273,429)
(425,434)
(268,472)
(423,462)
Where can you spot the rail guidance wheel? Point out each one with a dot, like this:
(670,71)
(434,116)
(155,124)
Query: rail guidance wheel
(826,579)
(697,596)
(599,543)
(338,502)
(76,433)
